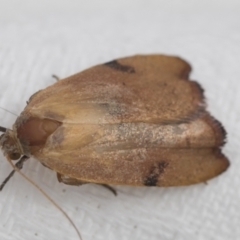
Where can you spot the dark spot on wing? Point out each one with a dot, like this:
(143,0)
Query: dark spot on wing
(156,170)
(119,67)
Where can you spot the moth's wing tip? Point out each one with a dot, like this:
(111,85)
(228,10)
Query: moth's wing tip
(201,112)
(186,67)
(225,163)
(218,129)
(222,132)
(183,67)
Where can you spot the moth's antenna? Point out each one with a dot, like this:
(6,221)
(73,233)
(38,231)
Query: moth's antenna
(9,111)
(46,195)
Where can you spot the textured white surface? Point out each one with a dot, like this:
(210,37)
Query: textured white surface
(41,38)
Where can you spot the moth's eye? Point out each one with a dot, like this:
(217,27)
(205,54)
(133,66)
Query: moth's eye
(14,155)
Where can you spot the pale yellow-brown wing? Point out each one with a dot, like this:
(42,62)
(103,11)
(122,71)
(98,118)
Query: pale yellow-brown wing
(135,120)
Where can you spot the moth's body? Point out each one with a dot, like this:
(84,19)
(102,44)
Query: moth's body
(134,121)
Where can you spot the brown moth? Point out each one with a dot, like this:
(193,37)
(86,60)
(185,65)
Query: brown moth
(133,121)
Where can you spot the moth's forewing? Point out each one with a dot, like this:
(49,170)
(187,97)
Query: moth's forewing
(136,120)
(153,90)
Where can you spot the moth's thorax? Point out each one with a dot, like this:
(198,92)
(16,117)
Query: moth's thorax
(33,132)
(10,144)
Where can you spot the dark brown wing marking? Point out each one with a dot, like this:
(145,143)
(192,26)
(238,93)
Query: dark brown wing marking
(156,170)
(119,67)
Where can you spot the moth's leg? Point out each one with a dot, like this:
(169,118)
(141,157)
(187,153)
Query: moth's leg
(19,165)
(69,181)
(111,189)
(76,182)
(29,100)
(56,77)
(45,165)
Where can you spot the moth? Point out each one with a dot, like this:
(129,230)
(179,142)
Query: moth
(134,121)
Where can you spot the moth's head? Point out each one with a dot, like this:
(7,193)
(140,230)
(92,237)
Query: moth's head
(9,144)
